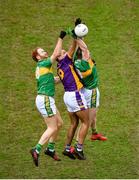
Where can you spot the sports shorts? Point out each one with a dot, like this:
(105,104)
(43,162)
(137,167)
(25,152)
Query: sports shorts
(75,101)
(92,97)
(46,105)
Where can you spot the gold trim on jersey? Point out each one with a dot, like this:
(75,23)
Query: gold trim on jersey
(69,56)
(44,70)
(89,71)
(78,83)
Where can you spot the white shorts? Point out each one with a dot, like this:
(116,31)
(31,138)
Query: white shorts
(92,97)
(75,101)
(46,105)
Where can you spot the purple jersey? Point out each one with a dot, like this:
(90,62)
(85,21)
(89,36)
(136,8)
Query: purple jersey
(67,74)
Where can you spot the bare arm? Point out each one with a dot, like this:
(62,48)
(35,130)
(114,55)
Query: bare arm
(57,50)
(72,48)
(83,47)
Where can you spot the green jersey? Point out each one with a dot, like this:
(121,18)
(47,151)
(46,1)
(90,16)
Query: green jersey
(45,77)
(87,72)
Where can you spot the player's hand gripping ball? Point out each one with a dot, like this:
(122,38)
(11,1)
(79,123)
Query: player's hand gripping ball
(81,30)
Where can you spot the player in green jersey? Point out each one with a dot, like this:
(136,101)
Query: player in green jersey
(45,99)
(87,71)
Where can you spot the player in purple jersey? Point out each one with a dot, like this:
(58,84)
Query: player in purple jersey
(74,100)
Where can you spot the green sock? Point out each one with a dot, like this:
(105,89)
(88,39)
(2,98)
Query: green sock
(51,146)
(94,131)
(38,148)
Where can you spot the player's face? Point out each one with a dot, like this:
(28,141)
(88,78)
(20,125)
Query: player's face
(42,53)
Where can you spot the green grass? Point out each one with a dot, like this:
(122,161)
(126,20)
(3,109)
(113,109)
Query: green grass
(113,39)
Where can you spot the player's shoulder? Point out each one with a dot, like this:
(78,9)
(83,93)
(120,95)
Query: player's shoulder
(46,62)
(68,55)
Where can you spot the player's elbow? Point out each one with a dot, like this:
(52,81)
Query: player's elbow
(57,54)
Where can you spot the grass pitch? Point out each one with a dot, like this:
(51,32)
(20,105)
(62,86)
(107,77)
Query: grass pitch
(113,41)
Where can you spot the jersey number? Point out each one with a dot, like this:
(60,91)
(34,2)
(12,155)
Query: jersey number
(61,73)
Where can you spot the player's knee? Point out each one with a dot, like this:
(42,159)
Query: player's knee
(74,125)
(55,129)
(86,123)
(60,124)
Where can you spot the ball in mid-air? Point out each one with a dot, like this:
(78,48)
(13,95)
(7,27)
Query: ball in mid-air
(81,30)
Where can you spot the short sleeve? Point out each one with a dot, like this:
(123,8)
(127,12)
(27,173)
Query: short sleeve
(47,62)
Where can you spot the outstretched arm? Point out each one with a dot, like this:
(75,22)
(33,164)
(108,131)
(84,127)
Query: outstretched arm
(72,48)
(83,47)
(58,47)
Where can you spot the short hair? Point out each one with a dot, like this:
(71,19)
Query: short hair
(34,54)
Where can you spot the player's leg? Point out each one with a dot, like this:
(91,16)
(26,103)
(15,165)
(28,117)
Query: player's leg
(46,106)
(71,104)
(93,115)
(84,117)
(51,129)
(50,150)
(75,102)
(51,123)
(93,119)
(59,125)
(70,134)
(77,135)
(73,126)
(59,120)
(82,132)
